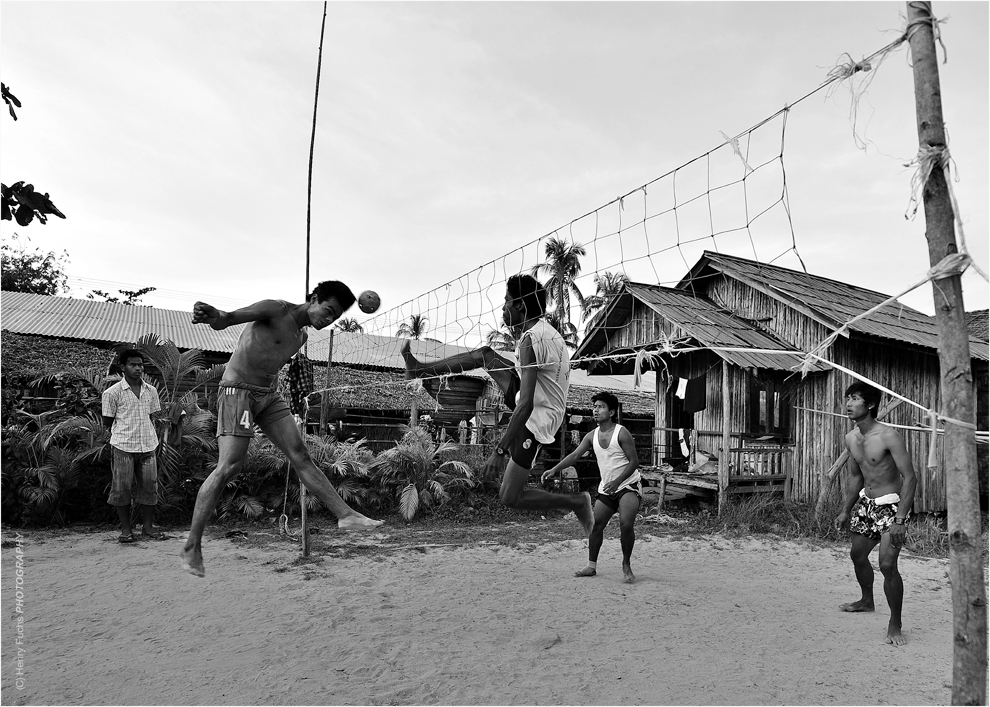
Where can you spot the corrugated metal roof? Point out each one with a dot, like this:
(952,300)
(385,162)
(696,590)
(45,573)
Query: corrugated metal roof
(87,320)
(714,327)
(833,301)
(700,319)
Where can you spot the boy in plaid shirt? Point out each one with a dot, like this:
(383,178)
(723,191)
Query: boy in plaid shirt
(127,410)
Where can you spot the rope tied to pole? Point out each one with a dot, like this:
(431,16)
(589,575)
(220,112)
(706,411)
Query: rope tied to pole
(931,21)
(931,157)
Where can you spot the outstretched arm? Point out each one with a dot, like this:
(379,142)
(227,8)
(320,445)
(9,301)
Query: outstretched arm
(204,313)
(569,460)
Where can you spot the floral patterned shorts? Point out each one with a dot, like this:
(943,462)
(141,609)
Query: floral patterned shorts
(872,519)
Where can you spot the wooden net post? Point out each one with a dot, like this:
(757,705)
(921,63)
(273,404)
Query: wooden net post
(723,459)
(302,501)
(969,593)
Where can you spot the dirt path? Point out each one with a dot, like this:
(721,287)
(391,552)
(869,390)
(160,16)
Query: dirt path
(709,621)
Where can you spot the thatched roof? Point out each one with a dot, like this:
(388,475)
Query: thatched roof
(27,357)
(977,323)
(369,390)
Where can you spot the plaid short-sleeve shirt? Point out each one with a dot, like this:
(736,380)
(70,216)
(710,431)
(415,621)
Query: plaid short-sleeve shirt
(132,429)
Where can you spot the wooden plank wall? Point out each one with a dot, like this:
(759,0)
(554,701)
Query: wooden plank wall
(818,432)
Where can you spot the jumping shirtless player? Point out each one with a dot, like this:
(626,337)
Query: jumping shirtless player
(248,397)
(541,380)
(879,499)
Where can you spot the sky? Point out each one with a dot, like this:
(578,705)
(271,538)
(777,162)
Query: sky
(175,137)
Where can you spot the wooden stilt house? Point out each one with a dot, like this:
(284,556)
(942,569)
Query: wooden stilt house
(727,344)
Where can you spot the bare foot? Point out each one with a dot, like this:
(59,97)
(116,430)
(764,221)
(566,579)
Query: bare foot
(357,522)
(411,363)
(894,636)
(585,514)
(627,574)
(861,605)
(192,561)
(586,572)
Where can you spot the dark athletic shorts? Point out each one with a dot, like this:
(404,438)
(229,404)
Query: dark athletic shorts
(612,500)
(241,406)
(524,449)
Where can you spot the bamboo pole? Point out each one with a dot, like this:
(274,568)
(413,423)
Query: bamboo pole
(302,500)
(723,460)
(658,396)
(312,145)
(969,593)
(325,393)
(309,208)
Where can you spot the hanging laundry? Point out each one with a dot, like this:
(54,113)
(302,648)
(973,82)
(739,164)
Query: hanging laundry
(681,387)
(694,396)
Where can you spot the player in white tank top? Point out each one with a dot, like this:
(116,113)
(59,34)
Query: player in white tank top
(621,487)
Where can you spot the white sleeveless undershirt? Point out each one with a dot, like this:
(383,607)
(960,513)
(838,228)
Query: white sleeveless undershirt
(612,462)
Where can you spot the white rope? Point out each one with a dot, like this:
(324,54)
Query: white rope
(929,158)
(953,264)
(857,376)
(982,436)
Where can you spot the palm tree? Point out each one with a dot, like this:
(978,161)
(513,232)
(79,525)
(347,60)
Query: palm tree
(349,324)
(179,377)
(607,286)
(563,265)
(414,328)
(567,330)
(501,339)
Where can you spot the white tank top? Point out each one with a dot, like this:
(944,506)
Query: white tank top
(612,462)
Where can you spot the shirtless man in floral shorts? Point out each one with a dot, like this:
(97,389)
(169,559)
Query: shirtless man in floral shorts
(878,500)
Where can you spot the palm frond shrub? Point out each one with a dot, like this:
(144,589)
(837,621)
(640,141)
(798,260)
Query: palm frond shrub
(257,489)
(43,460)
(418,472)
(346,464)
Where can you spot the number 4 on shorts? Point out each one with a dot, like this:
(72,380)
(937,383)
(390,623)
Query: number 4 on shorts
(246,420)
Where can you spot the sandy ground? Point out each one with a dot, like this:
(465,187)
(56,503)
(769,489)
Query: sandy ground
(710,621)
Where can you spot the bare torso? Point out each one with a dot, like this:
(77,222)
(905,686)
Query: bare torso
(872,452)
(264,347)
